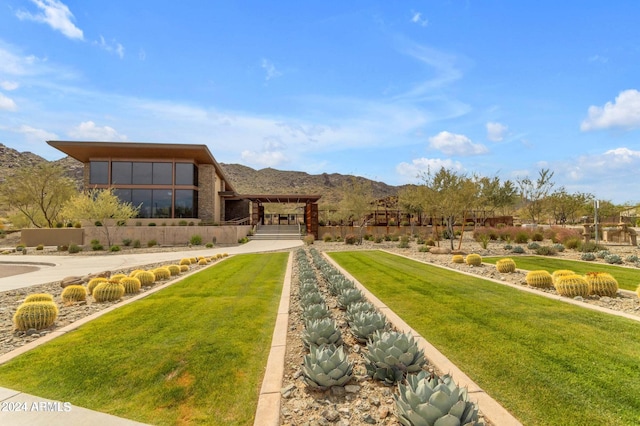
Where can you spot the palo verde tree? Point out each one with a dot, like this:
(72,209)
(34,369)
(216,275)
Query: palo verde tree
(565,207)
(499,197)
(100,205)
(38,193)
(449,195)
(357,199)
(534,193)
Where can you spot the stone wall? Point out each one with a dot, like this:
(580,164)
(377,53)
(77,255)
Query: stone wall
(206,192)
(51,237)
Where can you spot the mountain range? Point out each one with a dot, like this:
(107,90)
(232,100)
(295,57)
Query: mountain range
(245,180)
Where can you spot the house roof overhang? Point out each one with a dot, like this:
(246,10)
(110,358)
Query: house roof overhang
(277,198)
(85,151)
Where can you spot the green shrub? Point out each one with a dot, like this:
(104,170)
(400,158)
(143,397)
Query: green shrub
(632,258)
(151,224)
(195,240)
(573,243)
(182,223)
(588,256)
(507,247)
(404,242)
(94,241)
(378,240)
(537,236)
(97,247)
(590,247)
(152,243)
(350,239)
(136,244)
(546,251)
(522,237)
(533,246)
(114,248)
(613,259)
(424,249)
(40,247)
(517,249)
(74,248)
(327,238)
(97,223)
(126,242)
(208,245)
(395,238)
(243,240)
(559,247)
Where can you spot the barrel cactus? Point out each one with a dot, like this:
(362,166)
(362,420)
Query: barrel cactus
(38,297)
(185,261)
(561,273)
(202,262)
(173,269)
(162,273)
(638,291)
(364,324)
(349,296)
(184,268)
(147,278)
(506,265)
(429,400)
(74,293)
(321,332)
(539,279)
(572,286)
(117,277)
(457,258)
(391,355)
(37,315)
(473,259)
(326,366)
(602,284)
(94,282)
(108,292)
(131,285)
(135,272)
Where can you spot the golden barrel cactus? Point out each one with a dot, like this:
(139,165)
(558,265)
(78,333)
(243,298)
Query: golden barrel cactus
(38,297)
(93,283)
(539,279)
(473,259)
(602,284)
(36,315)
(74,293)
(147,278)
(506,265)
(457,258)
(162,273)
(108,292)
(572,286)
(131,285)
(173,269)
(561,273)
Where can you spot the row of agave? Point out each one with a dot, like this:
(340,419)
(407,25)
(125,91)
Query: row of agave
(39,311)
(391,357)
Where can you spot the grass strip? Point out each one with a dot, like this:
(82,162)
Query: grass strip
(193,353)
(547,362)
(628,278)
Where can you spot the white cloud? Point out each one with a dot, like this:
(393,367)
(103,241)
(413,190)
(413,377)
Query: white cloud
(89,131)
(496,131)
(454,144)
(420,166)
(57,15)
(265,158)
(9,85)
(113,47)
(416,18)
(35,135)
(624,112)
(7,104)
(270,70)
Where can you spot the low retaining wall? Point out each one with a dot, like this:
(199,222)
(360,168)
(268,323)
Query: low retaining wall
(163,235)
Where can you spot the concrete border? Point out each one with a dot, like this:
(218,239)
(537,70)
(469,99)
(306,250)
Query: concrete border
(268,410)
(490,408)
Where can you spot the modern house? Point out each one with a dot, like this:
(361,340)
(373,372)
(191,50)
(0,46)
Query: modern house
(175,182)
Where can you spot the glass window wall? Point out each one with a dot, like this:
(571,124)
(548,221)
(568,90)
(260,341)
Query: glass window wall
(162,174)
(99,172)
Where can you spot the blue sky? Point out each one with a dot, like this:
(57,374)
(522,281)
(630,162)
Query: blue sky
(381,89)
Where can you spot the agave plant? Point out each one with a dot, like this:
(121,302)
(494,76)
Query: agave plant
(311,298)
(338,284)
(321,332)
(390,355)
(349,296)
(364,324)
(429,400)
(354,308)
(326,366)
(316,311)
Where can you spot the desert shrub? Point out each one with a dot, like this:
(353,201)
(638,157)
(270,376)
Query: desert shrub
(533,246)
(209,245)
(151,224)
(590,247)
(632,258)
(561,235)
(378,240)
(97,247)
(94,241)
(308,239)
(573,243)
(195,240)
(546,251)
(40,247)
(243,240)
(126,242)
(387,237)
(602,254)
(537,236)
(559,247)
(136,244)
(182,223)
(350,239)
(395,238)
(97,223)
(74,248)
(507,247)
(588,256)
(327,238)
(522,237)
(517,249)
(404,242)
(613,259)
(114,248)
(152,243)
(424,249)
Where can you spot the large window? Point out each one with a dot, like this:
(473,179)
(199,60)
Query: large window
(186,204)
(142,198)
(142,173)
(186,174)
(162,174)
(121,173)
(162,201)
(99,172)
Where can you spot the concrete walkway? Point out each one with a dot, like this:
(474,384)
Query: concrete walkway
(54,268)
(17,408)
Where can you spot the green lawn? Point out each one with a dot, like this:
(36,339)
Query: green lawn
(193,353)
(628,278)
(547,362)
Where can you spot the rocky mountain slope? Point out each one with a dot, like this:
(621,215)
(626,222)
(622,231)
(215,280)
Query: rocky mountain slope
(244,179)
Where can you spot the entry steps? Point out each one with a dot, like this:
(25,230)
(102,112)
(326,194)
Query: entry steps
(277,232)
